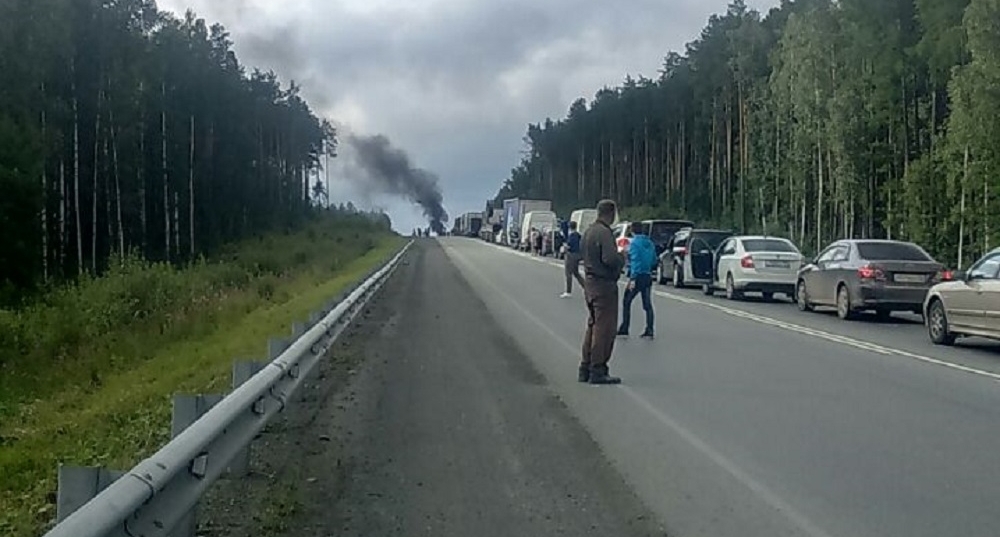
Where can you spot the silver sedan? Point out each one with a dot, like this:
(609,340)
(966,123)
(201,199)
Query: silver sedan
(967,306)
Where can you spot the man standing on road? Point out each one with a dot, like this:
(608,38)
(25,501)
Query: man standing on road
(602,265)
(642,258)
(571,264)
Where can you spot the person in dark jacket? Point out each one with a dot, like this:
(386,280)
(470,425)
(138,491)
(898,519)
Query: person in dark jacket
(602,265)
(642,259)
(571,264)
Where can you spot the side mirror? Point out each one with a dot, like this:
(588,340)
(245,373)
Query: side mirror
(959,276)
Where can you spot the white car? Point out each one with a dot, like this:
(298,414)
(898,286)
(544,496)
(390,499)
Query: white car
(755,264)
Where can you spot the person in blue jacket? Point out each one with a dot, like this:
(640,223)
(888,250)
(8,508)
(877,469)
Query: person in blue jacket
(642,259)
(571,264)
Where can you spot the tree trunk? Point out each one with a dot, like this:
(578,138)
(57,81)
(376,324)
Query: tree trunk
(107,196)
(166,178)
(986,214)
(62,216)
(76,182)
(961,211)
(727,192)
(835,193)
(141,171)
(118,192)
(645,157)
(712,167)
(819,195)
(45,199)
(191,192)
(177,221)
(95,190)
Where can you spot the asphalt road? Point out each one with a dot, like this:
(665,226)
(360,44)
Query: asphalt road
(753,419)
(428,420)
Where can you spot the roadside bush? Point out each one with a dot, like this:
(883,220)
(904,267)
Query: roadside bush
(11,337)
(114,320)
(266,287)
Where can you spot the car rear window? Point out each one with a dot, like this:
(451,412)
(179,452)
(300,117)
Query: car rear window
(714,239)
(661,232)
(768,245)
(891,251)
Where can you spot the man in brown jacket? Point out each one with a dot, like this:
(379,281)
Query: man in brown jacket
(602,266)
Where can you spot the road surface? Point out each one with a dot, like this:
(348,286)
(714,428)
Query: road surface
(464,417)
(756,419)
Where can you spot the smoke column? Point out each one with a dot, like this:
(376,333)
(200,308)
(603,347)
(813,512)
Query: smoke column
(389,169)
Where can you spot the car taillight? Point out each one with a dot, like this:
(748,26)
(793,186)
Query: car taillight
(869,272)
(944,276)
(746,262)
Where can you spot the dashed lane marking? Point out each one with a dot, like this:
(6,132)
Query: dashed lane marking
(792,327)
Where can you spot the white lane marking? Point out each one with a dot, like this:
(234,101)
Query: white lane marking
(821,334)
(766,494)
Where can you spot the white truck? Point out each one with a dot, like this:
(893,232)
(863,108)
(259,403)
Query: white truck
(514,210)
(469,224)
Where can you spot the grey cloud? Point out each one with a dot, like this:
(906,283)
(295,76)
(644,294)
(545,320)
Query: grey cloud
(455,82)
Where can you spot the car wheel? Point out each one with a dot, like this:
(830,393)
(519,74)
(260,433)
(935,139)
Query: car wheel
(802,297)
(844,309)
(732,293)
(937,324)
(768,297)
(707,289)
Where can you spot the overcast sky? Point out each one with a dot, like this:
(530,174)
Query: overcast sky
(453,82)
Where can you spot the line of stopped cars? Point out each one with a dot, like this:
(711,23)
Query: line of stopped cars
(851,276)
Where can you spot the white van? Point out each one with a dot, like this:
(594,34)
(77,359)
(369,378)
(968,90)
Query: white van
(540,220)
(584,218)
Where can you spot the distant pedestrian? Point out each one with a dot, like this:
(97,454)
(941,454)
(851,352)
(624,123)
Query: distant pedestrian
(642,259)
(602,265)
(539,241)
(571,264)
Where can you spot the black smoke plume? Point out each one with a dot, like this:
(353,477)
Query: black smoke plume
(389,169)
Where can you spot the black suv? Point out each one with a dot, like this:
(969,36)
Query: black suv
(662,231)
(689,257)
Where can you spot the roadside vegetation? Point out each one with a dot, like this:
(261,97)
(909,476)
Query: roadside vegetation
(87,370)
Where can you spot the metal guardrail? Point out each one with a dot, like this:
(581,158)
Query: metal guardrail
(153,497)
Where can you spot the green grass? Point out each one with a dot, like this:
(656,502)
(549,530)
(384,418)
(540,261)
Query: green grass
(88,373)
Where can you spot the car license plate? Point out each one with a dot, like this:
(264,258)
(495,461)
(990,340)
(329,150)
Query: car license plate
(776,264)
(909,278)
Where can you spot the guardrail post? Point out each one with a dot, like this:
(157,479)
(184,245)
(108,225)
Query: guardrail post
(187,410)
(79,484)
(242,371)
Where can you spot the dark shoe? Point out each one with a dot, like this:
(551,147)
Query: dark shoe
(647,335)
(583,375)
(599,375)
(603,379)
(622,332)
